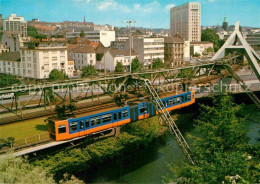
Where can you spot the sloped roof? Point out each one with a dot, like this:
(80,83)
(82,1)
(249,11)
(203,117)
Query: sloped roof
(94,44)
(10,56)
(175,39)
(117,53)
(83,49)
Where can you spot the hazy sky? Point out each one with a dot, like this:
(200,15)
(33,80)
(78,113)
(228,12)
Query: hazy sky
(147,13)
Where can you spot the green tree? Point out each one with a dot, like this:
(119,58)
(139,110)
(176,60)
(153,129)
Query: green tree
(212,36)
(136,65)
(41,36)
(196,55)
(219,150)
(56,75)
(19,170)
(8,80)
(157,63)
(31,31)
(82,34)
(119,67)
(88,70)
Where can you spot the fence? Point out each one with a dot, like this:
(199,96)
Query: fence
(25,141)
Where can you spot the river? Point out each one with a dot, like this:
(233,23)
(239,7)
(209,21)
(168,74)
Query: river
(151,164)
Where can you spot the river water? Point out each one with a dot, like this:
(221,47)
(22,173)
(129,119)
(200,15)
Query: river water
(151,164)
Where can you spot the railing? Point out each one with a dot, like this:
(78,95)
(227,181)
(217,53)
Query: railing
(25,141)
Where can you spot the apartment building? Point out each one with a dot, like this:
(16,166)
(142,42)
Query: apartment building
(37,60)
(83,55)
(3,48)
(13,40)
(105,37)
(174,51)
(185,20)
(15,23)
(148,49)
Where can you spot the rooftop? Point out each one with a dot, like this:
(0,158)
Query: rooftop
(202,42)
(118,53)
(83,49)
(10,56)
(175,39)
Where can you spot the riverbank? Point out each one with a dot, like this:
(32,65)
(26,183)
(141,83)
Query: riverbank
(133,138)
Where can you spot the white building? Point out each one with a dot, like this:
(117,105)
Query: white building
(105,37)
(186,51)
(15,23)
(148,48)
(83,55)
(37,60)
(13,40)
(112,57)
(185,20)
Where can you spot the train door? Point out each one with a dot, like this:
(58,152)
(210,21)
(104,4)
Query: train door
(152,110)
(81,128)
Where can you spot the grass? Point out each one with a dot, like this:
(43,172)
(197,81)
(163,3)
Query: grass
(24,129)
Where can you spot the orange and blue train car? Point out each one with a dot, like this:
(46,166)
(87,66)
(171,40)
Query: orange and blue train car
(96,122)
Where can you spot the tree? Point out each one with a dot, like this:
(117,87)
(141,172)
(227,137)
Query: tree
(136,66)
(212,36)
(31,30)
(157,63)
(119,67)
(196,55)
(88,70)
(220,150)
(18,170)
(82,34)
(8,80)
(56,75)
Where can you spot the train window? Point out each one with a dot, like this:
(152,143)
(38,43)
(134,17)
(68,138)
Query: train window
(125,113)
(81,124)
(143,110)
(115,116)
(62,129)
(119,115)
(86,123)
(183,99)
(106,118)
(73,126)
(178,99)
(95,121)
(188,96)
(170,101)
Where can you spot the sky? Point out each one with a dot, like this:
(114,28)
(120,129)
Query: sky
(147,13)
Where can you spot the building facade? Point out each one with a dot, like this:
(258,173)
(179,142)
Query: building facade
(112,57)
(148,49)
(3,48)
(83,55)
(37,60)
(185,20)
(13,40)
(200,47)
(105,37)
(15,23)
(174,51)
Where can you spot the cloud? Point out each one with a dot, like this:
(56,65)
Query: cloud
(112,4)
(169,6)
(87,1)
(148,7)
(211,1)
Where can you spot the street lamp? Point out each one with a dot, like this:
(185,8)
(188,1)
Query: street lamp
(129,22)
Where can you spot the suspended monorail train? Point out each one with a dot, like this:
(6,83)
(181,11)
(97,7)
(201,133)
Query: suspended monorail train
(101,120)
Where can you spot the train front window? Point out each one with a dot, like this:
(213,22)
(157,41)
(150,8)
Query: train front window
(62,129)
(188,96)
(81,124)
(106,118)
(125,113)
(86,123)
(95,121)
(73,126)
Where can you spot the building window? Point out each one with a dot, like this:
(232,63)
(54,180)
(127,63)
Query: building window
(29,58)
(54,58)
(54,52)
